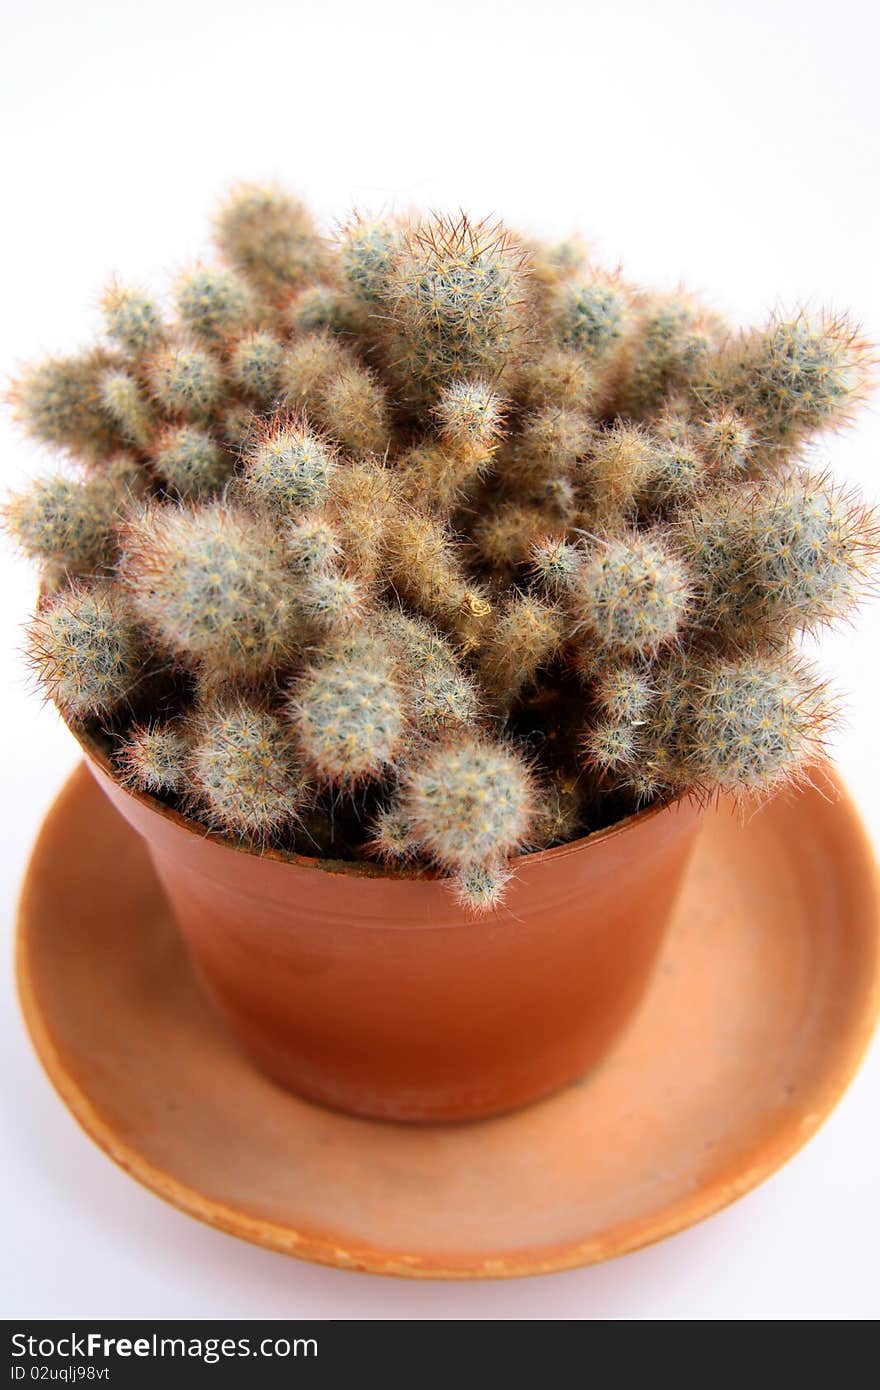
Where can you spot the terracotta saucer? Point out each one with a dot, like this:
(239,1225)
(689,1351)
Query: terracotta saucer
(760,1009)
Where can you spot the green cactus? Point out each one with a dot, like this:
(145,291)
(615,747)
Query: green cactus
(87,652)
(312,544)
(191,461)
(330,601)
(443,698)
(673,339)
(624,692)
(470,418)
(453,298)
(755,722)
(124,402)
(132,320)
(65,523)
(481,888)
(469,802)
(59,402)
(378,510)
(782,559)
(155,758)
(255,367)
(270,237)
(634,595)
(349,718)
(210,584)
(214,304)
(368,251)
(320,307)
(727,443)
(795,377)
(590,315)
(186,381)
(245,777)
(288,467)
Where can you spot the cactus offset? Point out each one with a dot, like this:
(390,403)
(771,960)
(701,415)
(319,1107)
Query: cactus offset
(210,583)
(87,652)
(245,776)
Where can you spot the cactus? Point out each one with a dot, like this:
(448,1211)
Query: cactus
(426,572)
(470,418)
(679,473)
(131,320)
(255,366)
(622,462)
(443,698)
(320,307)
(634,594)
(390,836)
(624,693)
(155,758)
(556,565)
(726,442)
(755,722)
(368,252)
(59,402)
(191,461)
(507,534)
(550,443)
(354,411)
(123,401)
(210,583)
(611,747)
(481,888)
(349,718)
(186,381)
(312,544)
(376,511)
(64,523)
(288,467)
(779,560)
(365,505)
(560,817)
(245,778)
(673,339)
(214,304)
(524,637)
(330,601)
(86,652)
(469,802)
(307,366)
(270,237)
(556,377)
(453,297)
(590,315)
(795,377)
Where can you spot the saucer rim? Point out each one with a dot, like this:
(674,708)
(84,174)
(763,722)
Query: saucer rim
(767,1157)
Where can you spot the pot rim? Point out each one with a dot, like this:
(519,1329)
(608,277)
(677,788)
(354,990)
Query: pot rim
(97,755)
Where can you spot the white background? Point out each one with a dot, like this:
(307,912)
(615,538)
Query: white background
(731,145)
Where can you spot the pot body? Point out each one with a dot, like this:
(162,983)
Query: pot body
(376,995)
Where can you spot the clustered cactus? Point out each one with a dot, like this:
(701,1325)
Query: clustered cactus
(433,543)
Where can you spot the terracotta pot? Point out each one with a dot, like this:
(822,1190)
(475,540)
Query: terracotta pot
(375,995)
